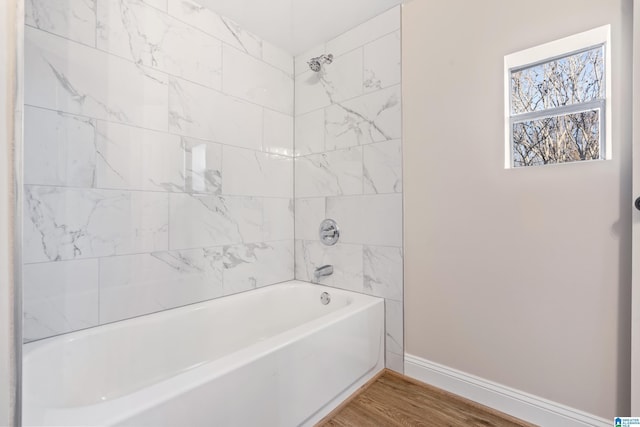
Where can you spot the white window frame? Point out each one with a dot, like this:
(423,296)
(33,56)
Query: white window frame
(600,36)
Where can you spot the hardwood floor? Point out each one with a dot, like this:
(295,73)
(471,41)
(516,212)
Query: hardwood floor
(395,400)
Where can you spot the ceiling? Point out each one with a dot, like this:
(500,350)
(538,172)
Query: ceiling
(298,25)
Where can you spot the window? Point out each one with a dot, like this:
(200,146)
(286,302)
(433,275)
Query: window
(557,101)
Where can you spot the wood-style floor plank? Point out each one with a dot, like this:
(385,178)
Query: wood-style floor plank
(395,400)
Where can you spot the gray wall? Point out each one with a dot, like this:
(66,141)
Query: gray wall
(521,277)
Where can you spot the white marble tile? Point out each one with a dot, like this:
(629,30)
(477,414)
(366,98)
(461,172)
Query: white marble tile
(132,158)
(329,174)
(345,258)
(71,19)
(253,80)
(382,62)
(336,82)
(204,113)
(366,32)
(202,166)
(59,297)
(278,219)
(309,133)
(394,326)
(278,133)
(300,62)
(370,220)
(139,159)
(254,265)
(248,215)
(311,92)
(342,78)
(139,284)
(64,223)
(158,4)
(382,163)
(382,212)
(66,76)
(277,57)
(59,148)
(135,31)
(383,272)
(309,214)
(242,39)
(371,118)
(395,362)
(203,221)
(253,173)
(218,26)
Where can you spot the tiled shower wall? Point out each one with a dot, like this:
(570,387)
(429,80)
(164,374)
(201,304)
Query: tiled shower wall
(348,166)
(158,161)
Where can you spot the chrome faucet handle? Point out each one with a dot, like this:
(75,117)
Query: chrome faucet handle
(329,232)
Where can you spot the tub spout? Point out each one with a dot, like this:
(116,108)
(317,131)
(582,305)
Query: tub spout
(325,270)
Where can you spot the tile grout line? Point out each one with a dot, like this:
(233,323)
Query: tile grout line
(159,251)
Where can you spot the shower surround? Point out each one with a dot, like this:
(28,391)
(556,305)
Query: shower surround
(159,162)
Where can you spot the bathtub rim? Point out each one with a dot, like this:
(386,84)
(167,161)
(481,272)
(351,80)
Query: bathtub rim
(32,344)
(35,345)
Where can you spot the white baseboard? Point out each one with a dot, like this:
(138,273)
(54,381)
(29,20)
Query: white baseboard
(516,403)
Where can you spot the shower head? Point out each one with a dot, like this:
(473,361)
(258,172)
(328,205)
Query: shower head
(316,63)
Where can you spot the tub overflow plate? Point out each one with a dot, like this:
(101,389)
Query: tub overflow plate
(325,298)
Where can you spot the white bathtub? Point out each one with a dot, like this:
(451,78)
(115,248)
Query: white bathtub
(275,356)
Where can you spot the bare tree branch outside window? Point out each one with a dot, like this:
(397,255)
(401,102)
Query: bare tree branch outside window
(557,109)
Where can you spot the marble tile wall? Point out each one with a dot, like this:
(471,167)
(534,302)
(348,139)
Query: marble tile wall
(348,166)
(158,161)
